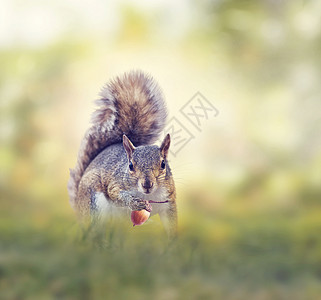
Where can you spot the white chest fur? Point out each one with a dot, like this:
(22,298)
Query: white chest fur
(104,207)
(160,195)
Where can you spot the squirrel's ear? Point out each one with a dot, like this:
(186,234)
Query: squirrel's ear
(165,145)
(129,147)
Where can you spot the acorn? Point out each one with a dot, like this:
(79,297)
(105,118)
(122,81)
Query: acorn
(139,217)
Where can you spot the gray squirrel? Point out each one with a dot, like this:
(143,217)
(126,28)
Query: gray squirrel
(118,169)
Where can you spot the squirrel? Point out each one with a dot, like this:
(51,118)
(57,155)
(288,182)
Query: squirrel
(118,170)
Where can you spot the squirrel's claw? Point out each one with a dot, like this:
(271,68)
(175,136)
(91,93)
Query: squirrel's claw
(148,207)
(139,204)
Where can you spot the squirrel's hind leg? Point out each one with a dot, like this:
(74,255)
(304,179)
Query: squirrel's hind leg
(169,219)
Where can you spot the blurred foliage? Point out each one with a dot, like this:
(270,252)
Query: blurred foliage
(250,210)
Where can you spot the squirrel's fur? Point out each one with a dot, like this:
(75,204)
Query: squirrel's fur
(131,110)
(132,105)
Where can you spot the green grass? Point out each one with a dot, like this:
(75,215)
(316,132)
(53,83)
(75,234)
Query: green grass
(223,255)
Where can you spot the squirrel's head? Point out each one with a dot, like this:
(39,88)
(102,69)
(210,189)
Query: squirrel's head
(147,164)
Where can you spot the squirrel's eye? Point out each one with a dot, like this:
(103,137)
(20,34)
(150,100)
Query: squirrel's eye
(131,166)
(163,164)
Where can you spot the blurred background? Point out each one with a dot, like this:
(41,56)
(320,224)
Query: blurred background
(248,183)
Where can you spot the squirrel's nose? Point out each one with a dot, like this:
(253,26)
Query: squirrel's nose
(147,184)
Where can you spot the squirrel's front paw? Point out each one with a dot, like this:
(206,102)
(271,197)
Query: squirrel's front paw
(138,204)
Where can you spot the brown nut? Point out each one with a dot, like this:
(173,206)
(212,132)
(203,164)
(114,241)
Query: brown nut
(139,217)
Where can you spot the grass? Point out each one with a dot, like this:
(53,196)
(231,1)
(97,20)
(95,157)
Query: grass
(218,255)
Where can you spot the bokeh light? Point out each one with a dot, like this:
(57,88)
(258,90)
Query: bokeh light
(248,183)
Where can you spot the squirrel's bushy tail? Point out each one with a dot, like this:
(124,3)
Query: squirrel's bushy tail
(133,105)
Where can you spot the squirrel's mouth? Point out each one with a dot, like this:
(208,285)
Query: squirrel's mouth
(147,189)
